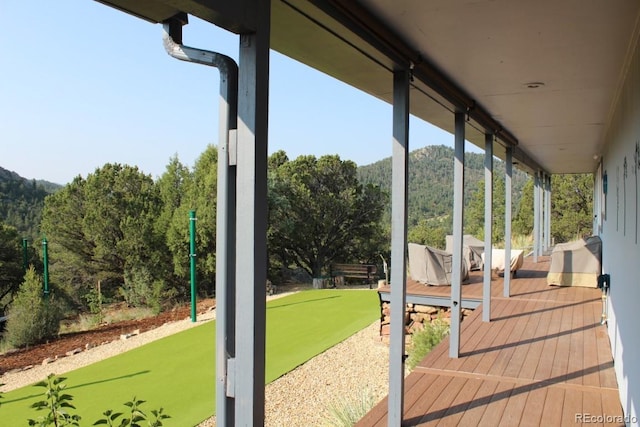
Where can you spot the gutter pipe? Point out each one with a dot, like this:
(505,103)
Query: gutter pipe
(226,203)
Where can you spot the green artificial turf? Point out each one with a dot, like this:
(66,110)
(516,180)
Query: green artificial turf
(177,372)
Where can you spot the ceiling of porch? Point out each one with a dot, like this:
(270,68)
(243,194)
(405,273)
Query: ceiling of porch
(544,73)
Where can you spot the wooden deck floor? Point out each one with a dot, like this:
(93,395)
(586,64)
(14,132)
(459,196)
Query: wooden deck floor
(543,360)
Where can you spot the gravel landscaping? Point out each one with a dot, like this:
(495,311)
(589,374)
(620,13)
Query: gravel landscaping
(338,376)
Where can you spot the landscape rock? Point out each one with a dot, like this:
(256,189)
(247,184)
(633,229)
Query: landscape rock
(74,351)
(425,309)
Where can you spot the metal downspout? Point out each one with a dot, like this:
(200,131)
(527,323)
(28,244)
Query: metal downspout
(226,217)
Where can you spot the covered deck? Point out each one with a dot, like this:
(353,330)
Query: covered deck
(544,359)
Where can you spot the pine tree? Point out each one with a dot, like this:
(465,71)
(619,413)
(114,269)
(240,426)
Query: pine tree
(32,318)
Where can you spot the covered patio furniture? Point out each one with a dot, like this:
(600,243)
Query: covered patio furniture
(472,249)
(432,266)
(576,263)
(498,260)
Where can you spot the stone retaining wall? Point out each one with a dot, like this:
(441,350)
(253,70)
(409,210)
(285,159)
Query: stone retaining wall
(416,316)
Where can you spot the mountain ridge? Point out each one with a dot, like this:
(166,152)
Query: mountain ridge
(431,168)
(430,187)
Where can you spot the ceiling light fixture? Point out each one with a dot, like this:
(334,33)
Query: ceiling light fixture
(534,85)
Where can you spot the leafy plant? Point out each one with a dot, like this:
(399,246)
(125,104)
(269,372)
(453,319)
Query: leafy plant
(134,416)
(424,341)
(56,403)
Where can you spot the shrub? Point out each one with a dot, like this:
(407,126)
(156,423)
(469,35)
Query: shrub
(424,341)
(32,318)
(518,241)
(347,412)
(94,300)
(140,289)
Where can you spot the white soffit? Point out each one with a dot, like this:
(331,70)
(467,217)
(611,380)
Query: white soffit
(494,48)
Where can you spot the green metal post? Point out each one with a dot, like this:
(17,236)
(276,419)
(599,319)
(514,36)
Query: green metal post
(192,256)
(45,274)
(24,254)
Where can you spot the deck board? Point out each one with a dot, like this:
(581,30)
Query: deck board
(535,406)
(572,406)
(477,407)
(424,398)
(443,401)
(459,405)
(543,359)
(552,412)
(549,347)
(576,351)
(497,404)
(534,349)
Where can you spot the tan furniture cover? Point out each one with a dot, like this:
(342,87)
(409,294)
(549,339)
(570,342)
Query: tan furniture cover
(472,249)
(576,263)
(432,266)
(498,263)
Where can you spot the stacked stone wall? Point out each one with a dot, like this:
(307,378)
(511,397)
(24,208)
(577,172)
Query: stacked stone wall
(416,316)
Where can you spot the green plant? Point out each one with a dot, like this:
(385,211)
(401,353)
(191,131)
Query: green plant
(31,317)
(56,403)
(134,417)
(346,412)
(84,322)
(518,241)
(424,341)
(94,300)
(141,289)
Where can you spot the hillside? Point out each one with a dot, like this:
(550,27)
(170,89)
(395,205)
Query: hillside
(22,201)
(431,180)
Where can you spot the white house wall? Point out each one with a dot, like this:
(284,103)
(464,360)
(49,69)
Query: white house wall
(621,236)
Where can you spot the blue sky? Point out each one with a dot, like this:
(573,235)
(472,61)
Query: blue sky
(83,85)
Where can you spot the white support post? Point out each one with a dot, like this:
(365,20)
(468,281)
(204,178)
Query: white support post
(458,220)
(536,216)
(507,220)
(542,208)
(547,228)
(545,214)
(251,243)
(488,225)
(399,198)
